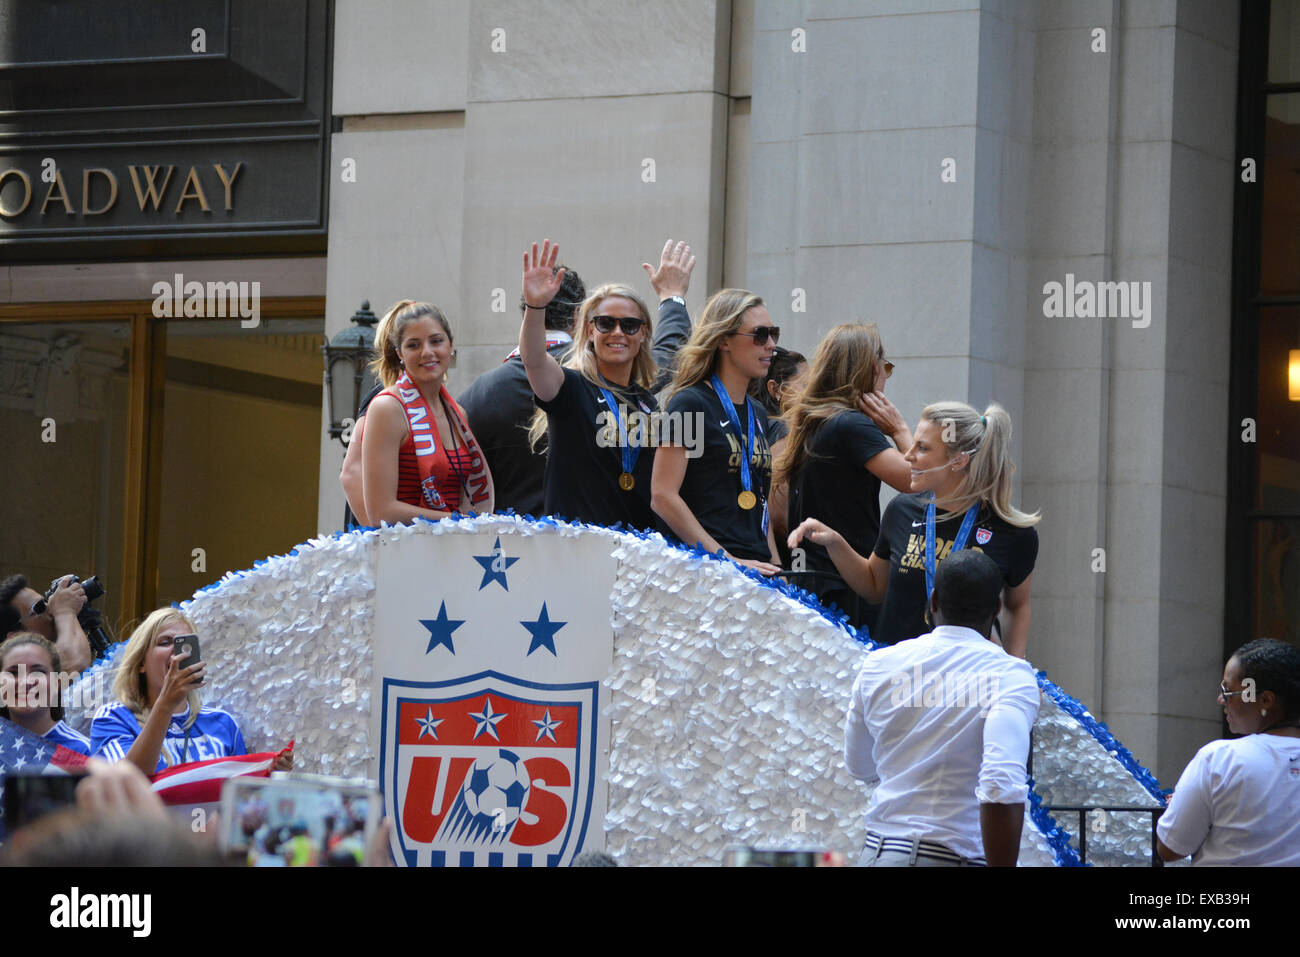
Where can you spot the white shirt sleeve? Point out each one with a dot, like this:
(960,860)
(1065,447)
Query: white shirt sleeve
(1003,779)
(858,742)
(1186,822)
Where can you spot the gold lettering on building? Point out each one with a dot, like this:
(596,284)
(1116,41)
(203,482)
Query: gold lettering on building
(155,194)
(193,178)
(57,188)
(229,184)
(85,191)
(27,192)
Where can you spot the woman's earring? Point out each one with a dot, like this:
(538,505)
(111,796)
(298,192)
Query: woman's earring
(1263,712)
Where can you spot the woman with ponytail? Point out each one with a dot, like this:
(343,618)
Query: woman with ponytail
(836,457)
(718,500)
(960,498)
(419,458)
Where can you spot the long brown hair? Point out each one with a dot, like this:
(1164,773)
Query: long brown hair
(387,364)
(843,368)
(723,314)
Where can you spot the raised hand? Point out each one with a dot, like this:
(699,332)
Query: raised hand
(673,277)
(541,279)
(178,683)
(882,412)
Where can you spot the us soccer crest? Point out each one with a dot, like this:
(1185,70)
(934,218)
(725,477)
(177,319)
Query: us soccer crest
(488,770)
(488,703)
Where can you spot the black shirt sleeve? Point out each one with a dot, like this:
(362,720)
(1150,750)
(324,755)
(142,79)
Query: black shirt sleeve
(858,439)
(672,330)
(1022,560)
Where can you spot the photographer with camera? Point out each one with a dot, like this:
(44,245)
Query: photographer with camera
(54,616)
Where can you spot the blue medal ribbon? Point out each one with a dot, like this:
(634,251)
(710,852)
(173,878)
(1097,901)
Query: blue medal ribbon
(745,479)
(630,452)
(958,543)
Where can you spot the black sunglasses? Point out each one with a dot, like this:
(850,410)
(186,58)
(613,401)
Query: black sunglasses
(629,324)
(761,333)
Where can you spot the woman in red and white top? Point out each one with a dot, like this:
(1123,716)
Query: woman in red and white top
(419,458)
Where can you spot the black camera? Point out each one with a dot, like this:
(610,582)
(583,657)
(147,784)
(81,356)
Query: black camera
(90,618)
(90,586)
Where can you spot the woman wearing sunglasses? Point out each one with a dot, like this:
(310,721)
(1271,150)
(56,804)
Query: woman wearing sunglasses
(157,721)
(960,480)
(718,500)
(596,407)
(836,457)
(1238,800)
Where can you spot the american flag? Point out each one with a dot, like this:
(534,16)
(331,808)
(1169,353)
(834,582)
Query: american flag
(23,750)
(199,782)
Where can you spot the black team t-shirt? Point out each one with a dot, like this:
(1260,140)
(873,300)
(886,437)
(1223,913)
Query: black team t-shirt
(902,544)
(582,476)
(712,483)
(835,487)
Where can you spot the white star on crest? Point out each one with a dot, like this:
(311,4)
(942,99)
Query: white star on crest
(429,725)
(546,726)
(486,720)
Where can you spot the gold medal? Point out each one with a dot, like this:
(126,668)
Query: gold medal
(626,482)
(747,500)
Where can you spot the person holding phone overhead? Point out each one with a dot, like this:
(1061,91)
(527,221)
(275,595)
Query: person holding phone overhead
(719,500)
(157,721)
(961,498)
(599,461)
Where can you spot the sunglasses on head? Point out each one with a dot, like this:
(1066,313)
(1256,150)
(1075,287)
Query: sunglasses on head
(630,325)
(761,334)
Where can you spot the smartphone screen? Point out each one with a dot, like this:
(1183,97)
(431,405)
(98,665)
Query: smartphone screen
(187,645)
(31,796)
(309,822)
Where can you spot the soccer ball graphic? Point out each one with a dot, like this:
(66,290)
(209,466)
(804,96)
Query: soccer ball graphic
(497,788)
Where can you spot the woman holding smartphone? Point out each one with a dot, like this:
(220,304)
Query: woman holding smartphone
(719,500)
(157,721)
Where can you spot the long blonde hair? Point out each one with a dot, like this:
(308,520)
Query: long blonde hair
(129,684)
(987,439)
(387,363)
(582,355)
(843,368)
(723,314)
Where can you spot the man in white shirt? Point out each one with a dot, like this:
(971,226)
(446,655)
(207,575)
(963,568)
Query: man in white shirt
(943,721)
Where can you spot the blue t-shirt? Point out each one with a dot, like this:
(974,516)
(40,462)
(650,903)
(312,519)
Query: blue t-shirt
(214,734)
(66,735)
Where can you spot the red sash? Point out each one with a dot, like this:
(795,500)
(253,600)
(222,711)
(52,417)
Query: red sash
(432,460)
